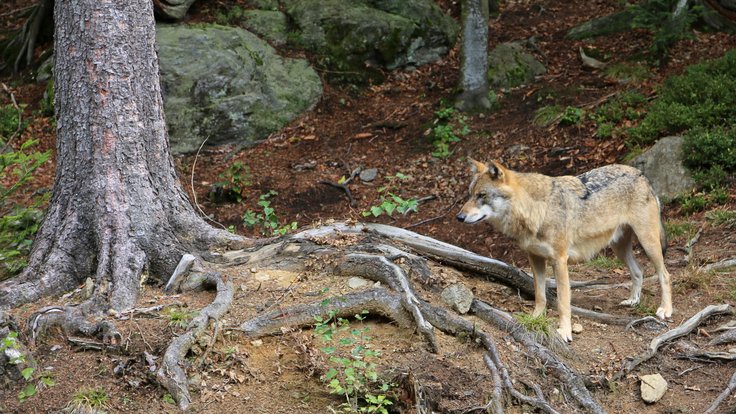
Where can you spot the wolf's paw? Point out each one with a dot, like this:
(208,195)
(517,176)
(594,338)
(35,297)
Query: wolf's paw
(664,312)
(539,311)
(630,302)
(566,334)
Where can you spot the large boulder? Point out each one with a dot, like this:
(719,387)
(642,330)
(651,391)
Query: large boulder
(228,86)
(662,165)
(351,35)
(510,65)
(271,25)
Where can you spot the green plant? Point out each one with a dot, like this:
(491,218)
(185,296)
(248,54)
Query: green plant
(658,17)
(711,155)
(266,219)
(180,318)
(571,116)
(9,122)
(88,401)
(18,224)
(168,399)
(692,203)
(606,262)
(547,115)
(10,347)
(233,182)
(353,372)
(721,217)
(448,127)
(604,130)
(627,72)
(390,202)
(643,309)
(536,324)
(704,95)
(679,229)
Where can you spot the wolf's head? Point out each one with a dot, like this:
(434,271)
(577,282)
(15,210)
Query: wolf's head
(489,193)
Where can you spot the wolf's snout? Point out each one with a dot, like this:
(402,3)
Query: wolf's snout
(460,217)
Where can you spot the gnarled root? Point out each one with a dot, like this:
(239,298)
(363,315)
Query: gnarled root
(172,374)
(380,301)
(73,321)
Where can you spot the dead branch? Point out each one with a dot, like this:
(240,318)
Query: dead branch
(723,395)
(690,244)
(725,338)
(723,264)
(172,375)
(682,330)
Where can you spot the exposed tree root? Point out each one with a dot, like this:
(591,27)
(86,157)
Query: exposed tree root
(565,374)
(682,330)
(379,301)
(723,395)
(723,264)
(172,374)
(73,321)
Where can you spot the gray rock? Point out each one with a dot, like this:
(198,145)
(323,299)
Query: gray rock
(653,387)
(265,4)
(172,9)
(368,175)
(358,282)
(228,85)
(510,65)
(662,165)
(458,297)
(391,33)
(271,25)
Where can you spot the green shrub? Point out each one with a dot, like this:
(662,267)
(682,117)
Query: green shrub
(18,224)
(703,96)
(266,219)
(9,117)
(448,127)
(711,155)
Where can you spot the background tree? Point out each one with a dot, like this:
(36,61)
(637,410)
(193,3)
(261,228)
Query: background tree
(474,60)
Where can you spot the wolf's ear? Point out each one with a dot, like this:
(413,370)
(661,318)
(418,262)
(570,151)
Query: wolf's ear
(477,167)
(496,170)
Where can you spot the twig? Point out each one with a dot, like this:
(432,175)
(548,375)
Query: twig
(344,185)
(690,244)
(682,330)
(640,321)
(20,117)
(194,193)
(722,397)
(425,221)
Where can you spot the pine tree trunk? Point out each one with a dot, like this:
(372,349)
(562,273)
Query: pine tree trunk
(118,213)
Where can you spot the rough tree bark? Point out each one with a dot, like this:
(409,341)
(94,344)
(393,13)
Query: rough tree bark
(118,213)
(474,61)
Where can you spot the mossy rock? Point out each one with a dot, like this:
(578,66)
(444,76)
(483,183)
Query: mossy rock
(510,65)
(270,25)
(228,86)
(352,35)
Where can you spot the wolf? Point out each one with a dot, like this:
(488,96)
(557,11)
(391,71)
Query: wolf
(570,219)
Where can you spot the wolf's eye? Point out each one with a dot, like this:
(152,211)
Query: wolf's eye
(482,195)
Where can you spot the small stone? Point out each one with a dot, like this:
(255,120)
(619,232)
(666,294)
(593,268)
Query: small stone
(368,174)
(577,328)
(458,297)
(357,282)
(257,342)
(55,348)
(653,387)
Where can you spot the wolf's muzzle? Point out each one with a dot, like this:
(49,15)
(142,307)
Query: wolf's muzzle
(461,217)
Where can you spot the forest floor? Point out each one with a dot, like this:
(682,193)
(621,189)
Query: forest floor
(385,126)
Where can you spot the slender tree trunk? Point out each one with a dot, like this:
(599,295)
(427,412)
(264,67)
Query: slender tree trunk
(118,213)
(474,64)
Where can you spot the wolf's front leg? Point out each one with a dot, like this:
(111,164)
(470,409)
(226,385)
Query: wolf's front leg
(539,265)
(563,298)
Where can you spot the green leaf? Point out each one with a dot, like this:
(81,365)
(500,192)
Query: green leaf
(27,373)
(376,211)
(28,391)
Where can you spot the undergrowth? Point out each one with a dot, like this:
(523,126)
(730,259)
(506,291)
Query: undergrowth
(18,223)
(448,127)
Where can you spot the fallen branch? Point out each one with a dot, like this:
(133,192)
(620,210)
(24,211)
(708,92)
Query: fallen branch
(723,395)
(690,244)
(172,375)
(723,264)
(682,330)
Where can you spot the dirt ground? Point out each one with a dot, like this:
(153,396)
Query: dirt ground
(385,127)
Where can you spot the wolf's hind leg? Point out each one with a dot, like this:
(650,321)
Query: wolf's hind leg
(539,265)
(624,249)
